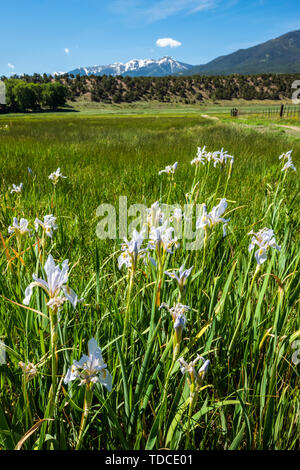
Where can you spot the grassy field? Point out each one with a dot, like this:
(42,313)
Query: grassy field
(242,317)
(221,107)
(278,127)
(151,107)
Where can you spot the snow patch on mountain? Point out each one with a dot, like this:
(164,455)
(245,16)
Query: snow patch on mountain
(136,67)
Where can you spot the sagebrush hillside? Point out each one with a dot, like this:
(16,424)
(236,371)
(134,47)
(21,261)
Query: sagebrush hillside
(180,89)
(171,89)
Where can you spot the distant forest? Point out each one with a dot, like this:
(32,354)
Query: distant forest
(183,89)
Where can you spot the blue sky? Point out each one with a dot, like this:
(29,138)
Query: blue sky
(59,35)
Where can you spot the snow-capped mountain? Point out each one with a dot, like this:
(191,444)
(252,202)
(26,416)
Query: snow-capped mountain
(136,67)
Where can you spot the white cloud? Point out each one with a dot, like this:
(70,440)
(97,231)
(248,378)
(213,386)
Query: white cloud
(167,42)
(67,50)
(11,66)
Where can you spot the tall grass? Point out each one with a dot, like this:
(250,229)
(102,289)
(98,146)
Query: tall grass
(245,322)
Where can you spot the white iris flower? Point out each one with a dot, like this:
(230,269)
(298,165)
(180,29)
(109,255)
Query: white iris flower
(218,157)
(155,215)
(55,287)
(19,228)
(182,276)
(162,237)
(170,169)
(194,378)
(209,220)
(90,369)
(179,319)
(222,157)
(48,225)
(132,251)
(201,156)
(264,239)
(16,189)
(54,177)
(288,161)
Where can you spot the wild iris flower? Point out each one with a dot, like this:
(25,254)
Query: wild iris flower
(48,225)
(217,157)
(16,189)
(177,215)
(179,319)
(201,156)
(222,157)
(162,238)
(209,220)
(289,164)
(181,278)
(286,157)
(90,369)
(54,177)
(155,215)
(264,239)
(195,378)
(55,287)
(170,169)
(132,251)
(19,229)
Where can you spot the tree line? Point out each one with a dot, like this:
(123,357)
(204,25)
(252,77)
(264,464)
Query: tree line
(32,92)
(23,96)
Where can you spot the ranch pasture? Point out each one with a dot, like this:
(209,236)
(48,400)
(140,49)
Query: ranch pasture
(239,314)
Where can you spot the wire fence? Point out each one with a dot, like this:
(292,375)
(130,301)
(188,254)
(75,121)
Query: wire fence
(272,112)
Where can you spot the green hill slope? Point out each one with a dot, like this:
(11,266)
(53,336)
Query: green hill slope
(280,55)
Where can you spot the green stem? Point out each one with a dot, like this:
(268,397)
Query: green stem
(281,183)
(194,182)
(167,381)
(227,181)
(204,250)
(165,395)
(217,188)
(244,310)
(53,322)
(19,246)
(127,310)
(191,408)
(28,416)
(88,398)
(43,248)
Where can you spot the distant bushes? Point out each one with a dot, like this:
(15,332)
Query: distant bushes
(184,89)
(23,96)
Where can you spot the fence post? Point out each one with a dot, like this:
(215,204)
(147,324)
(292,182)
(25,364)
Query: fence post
(281,110)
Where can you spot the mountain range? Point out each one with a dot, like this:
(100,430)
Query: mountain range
(136,68)
(280,55)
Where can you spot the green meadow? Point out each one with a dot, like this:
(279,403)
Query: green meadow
(242,316)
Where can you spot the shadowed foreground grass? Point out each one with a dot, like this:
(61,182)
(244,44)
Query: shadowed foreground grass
(246,322)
